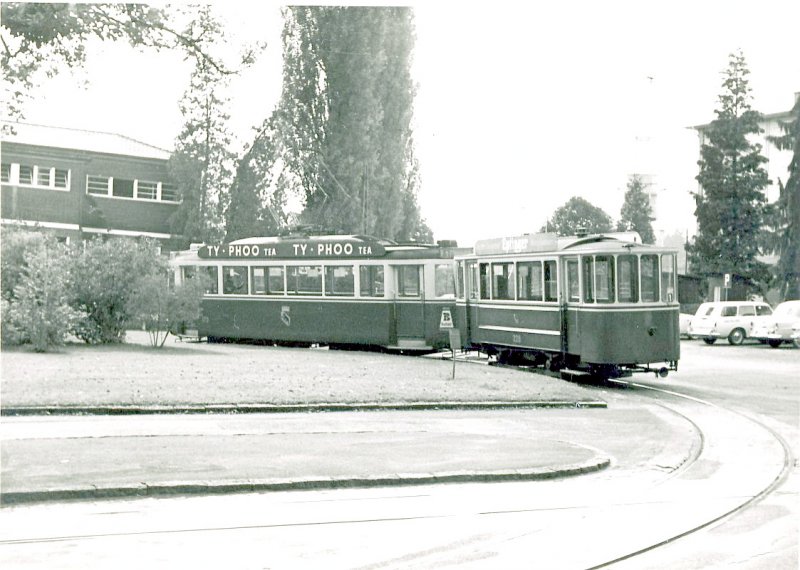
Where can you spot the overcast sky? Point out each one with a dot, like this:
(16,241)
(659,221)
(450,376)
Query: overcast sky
(519,106)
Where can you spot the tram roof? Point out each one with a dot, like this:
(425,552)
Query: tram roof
(552,243)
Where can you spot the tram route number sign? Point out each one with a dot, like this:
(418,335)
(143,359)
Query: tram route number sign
(446,320)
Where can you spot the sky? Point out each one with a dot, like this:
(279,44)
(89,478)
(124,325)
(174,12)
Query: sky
(519,106)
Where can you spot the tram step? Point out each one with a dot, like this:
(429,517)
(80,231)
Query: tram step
(411,344)
(568,373)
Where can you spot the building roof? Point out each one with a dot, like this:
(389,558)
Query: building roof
(79,139)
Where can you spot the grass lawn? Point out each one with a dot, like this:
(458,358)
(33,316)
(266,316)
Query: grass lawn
(198,373)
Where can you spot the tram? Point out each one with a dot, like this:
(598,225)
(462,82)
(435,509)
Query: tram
(342,291)
(606,305)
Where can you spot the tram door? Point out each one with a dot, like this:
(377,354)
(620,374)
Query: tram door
(570,325)
(409,303)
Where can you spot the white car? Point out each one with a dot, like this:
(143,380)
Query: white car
(685,321)
(779,327)
(726,319)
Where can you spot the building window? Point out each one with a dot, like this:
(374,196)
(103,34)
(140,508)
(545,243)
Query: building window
(25,174)
(169,193)
(146,190)
(134,189)
(122,188)
(97,185)
(36,176)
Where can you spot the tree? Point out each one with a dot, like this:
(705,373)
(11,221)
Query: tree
(730,202)
(577,214)
(636,213)
(41,39)
(341,136)
(783,233)
(202,163)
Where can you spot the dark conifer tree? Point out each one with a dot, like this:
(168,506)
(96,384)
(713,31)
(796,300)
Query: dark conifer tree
(730,201)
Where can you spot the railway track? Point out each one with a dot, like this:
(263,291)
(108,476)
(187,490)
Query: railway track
(611,531)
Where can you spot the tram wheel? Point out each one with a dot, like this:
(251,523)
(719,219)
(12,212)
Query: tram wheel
(736,337)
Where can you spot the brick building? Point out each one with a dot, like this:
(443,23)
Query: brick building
(77,184)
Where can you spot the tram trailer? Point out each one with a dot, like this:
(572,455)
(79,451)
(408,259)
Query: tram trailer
(604,305)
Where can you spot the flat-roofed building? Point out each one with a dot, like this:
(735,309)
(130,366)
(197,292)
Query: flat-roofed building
(78,184)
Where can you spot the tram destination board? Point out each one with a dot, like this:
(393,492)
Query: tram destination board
(305,249)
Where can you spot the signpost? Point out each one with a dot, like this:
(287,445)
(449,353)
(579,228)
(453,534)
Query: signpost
(446,323)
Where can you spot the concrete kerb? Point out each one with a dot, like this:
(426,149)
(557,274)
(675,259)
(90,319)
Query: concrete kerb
(289,408)
(184,488)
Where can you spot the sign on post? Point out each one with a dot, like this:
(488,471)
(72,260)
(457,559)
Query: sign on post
(446,320)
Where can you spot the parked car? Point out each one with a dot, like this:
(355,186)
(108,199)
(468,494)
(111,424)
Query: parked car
(685,321)
(726,319)
(777,328)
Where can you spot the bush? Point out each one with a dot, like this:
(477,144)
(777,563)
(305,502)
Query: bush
(36,310)
(103,279)
(162,308)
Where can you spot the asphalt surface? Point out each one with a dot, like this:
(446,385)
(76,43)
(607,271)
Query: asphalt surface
(93,457)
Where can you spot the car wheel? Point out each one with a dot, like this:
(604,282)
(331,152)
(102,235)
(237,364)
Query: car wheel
(709,340)
(736,337)
(774,343)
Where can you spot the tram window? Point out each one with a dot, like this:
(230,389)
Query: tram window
(484,280)
(258,280)
(472,275)
(588,280)
(529,280)
(502,281)
(628,272)
(371,280)
(667,278)
(275,285)
(649,278)
(445,281)
(460,279)
(212,280)
(304,280)
(408,282)
(234,280)
(207,273)
(339,280)
(550,281)
(604,278)
(573,285)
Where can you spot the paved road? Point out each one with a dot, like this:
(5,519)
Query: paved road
(648,492)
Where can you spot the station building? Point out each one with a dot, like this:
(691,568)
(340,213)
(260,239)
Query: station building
(77,184)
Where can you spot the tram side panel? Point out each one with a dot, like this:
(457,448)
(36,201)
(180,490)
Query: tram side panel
(294,320)
(523,327)
(618,336)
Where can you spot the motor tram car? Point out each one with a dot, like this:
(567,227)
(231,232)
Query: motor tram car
(602,304)
(342,291)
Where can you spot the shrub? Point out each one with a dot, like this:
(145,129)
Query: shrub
(37,310)
(162,308)
(103,279)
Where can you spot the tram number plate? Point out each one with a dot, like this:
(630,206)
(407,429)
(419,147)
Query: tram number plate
(516,338)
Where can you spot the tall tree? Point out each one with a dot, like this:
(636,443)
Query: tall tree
(341,135)
(41,39)
(202,163)
(577,214)
(636,213)
(783,235)
(730,202)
